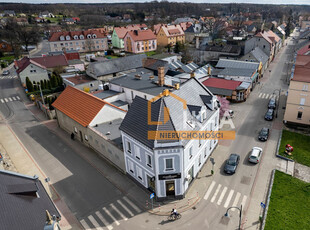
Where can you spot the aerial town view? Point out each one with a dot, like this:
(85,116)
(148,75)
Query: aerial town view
(164,114)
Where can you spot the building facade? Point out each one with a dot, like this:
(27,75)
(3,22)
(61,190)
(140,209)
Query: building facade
(140,41)
(170,35)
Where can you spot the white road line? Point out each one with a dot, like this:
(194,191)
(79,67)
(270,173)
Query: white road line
(243,201)
(228,198)
(14,99)
(263,95)
(216,192)
(138,210)
(85,225)
(94,222)
(209,190)
(222,196)
(236,200)
(10,99)
(119,212)
(104,221)
(2,100)
(10,77)
(17,97)
(110,215)
(124,207)
(260,95)
(271,96)
(6,100)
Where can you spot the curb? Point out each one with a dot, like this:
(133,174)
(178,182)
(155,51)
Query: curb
(278,147)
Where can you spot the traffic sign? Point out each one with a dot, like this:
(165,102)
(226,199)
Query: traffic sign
(152,195)
(262,205)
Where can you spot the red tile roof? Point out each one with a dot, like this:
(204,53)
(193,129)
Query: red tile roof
(142,35)
(72,56)
(24,62)
(303,60)
(305,50)
(79,105)
(121,31)
(56,36)
(221,83)
(51,61)
(301,74)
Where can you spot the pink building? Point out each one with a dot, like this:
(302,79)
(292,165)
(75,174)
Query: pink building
(140,41)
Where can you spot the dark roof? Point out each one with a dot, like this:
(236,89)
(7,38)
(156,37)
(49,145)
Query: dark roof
(231,49)
(219,91)
(237,72)
(228,63)
(153,64)
(23,202)
(96,69)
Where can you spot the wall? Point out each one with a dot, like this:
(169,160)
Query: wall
(162,39)
(107,113)
(94,84)
(39,74)
(80,67)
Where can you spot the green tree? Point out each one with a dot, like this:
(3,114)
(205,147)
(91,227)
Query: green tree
(42,85)
(29,85)
(177,47)
(54,81)
(60,81)
(49,86)
(45,84)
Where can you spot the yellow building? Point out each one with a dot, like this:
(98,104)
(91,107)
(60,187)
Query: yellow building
(170,35)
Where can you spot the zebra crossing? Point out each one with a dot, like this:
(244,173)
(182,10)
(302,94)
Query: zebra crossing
(9,99)
(268,96)
(111,214)
(7,77)
(221,195)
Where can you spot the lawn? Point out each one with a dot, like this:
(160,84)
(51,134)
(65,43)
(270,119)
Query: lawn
(301,145)
(9,59)
(110,56)
(150,53)
(289,204)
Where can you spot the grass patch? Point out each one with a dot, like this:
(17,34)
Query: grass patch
(9,59)
(111,57)
(151,53)
(289,203)
(301,144)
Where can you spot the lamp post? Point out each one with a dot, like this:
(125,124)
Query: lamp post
(41,93)
(240,214)
(279,91)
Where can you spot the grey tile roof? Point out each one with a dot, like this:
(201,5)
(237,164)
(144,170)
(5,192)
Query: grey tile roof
(143,85)
(20,207)
(135,121)
(154,64)
(219,91)
(260,55)
(102,94)
(96,69)
(228,63)
(237,72)
(175,65)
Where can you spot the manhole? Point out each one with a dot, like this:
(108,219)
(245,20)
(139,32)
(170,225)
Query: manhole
(224,220)
(245,180)
(194,208)
(146,221)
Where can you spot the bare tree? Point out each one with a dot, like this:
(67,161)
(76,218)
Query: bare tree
(28,35)
(89,44)
(215,27)
(9,33)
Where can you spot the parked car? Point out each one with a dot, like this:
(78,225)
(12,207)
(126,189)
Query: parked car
(255,155)
(5,73)
(263,134)
(272,103)
(269,115)
(232,163)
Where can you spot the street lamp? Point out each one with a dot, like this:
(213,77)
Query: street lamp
(41,93)
(279,91)
(240,214)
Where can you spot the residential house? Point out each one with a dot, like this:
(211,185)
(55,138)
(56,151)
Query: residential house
(170,35)
(297,111)
(276,39)
(167,57)
(257,55)
(38,68)
(46,14)
(24,202)
(91,120)
(305,25)
(22,21)
(165,166)
(82,82)
(81,41)
(120,32)
(10,13)
(235,91)
(105,70)
(207,53)
(5,46)
(74,61)
(140,41)
(183,20)
(305,50)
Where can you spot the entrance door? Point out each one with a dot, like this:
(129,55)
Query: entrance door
(191,173)
(81,135)
(150,183)
(170,188)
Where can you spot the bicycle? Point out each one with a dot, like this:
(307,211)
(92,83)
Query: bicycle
(173,217)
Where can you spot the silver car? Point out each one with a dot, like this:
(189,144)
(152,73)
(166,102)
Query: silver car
(255,155)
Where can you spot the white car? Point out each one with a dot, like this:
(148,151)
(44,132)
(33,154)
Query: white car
(255,155)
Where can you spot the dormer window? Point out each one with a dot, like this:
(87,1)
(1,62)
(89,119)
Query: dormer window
(81,36)
(62,38)
(88,36)
(76,37)
(68,37)
(94,36)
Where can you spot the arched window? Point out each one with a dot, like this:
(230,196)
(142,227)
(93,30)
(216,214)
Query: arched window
(76,37)
(68,37)
(88,35)
(94,36)
(62,38)
(81,36)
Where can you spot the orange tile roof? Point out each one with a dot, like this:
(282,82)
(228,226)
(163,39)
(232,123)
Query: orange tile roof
(79,105)
(121,31)
(142,35)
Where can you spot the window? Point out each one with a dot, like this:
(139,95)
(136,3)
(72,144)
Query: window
(200,142)
(132,96)
(139,173)
(97,47)
(81,37)
(71,43)
(302,101)
(34,71)
(61,44)
(97,42)
(86,138)
(77,43)
(169,164)
(55,45)
(149,160)
(210,147)
(191,152)
(66,44)
(137,152)
(299,115)
(75,37)
(131,167)
(215,122)
(128,147)
(264,46)
(206,150)
(199,160)
(75,129)
(91,84)
(305,88)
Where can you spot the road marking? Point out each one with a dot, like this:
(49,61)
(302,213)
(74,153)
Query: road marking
(10,99)
(118,212)
(222,196)
(18,97)
(236,200)
(209,190)
(94,222)
(263,95)
(10,77)
(228,198)
(216,192)
(85,225)
(243,201)
(14,99)
(6,100)
(138,210)
(271,96)
(124,207)
(260,95)
(110,215)
(104,221)
(2,100)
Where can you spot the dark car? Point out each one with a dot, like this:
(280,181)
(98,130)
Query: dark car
(272,103)
(269,115)
(263,134)
(5,73)
(232,163)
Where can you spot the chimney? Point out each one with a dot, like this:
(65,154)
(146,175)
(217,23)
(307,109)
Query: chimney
(135,32)
(161,76)
(151,77)
(192,74)
(177,85)
(138,76)
(166,92)
(209,70)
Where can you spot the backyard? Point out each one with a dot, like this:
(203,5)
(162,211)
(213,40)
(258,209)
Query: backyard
(289,203)
(300,143)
